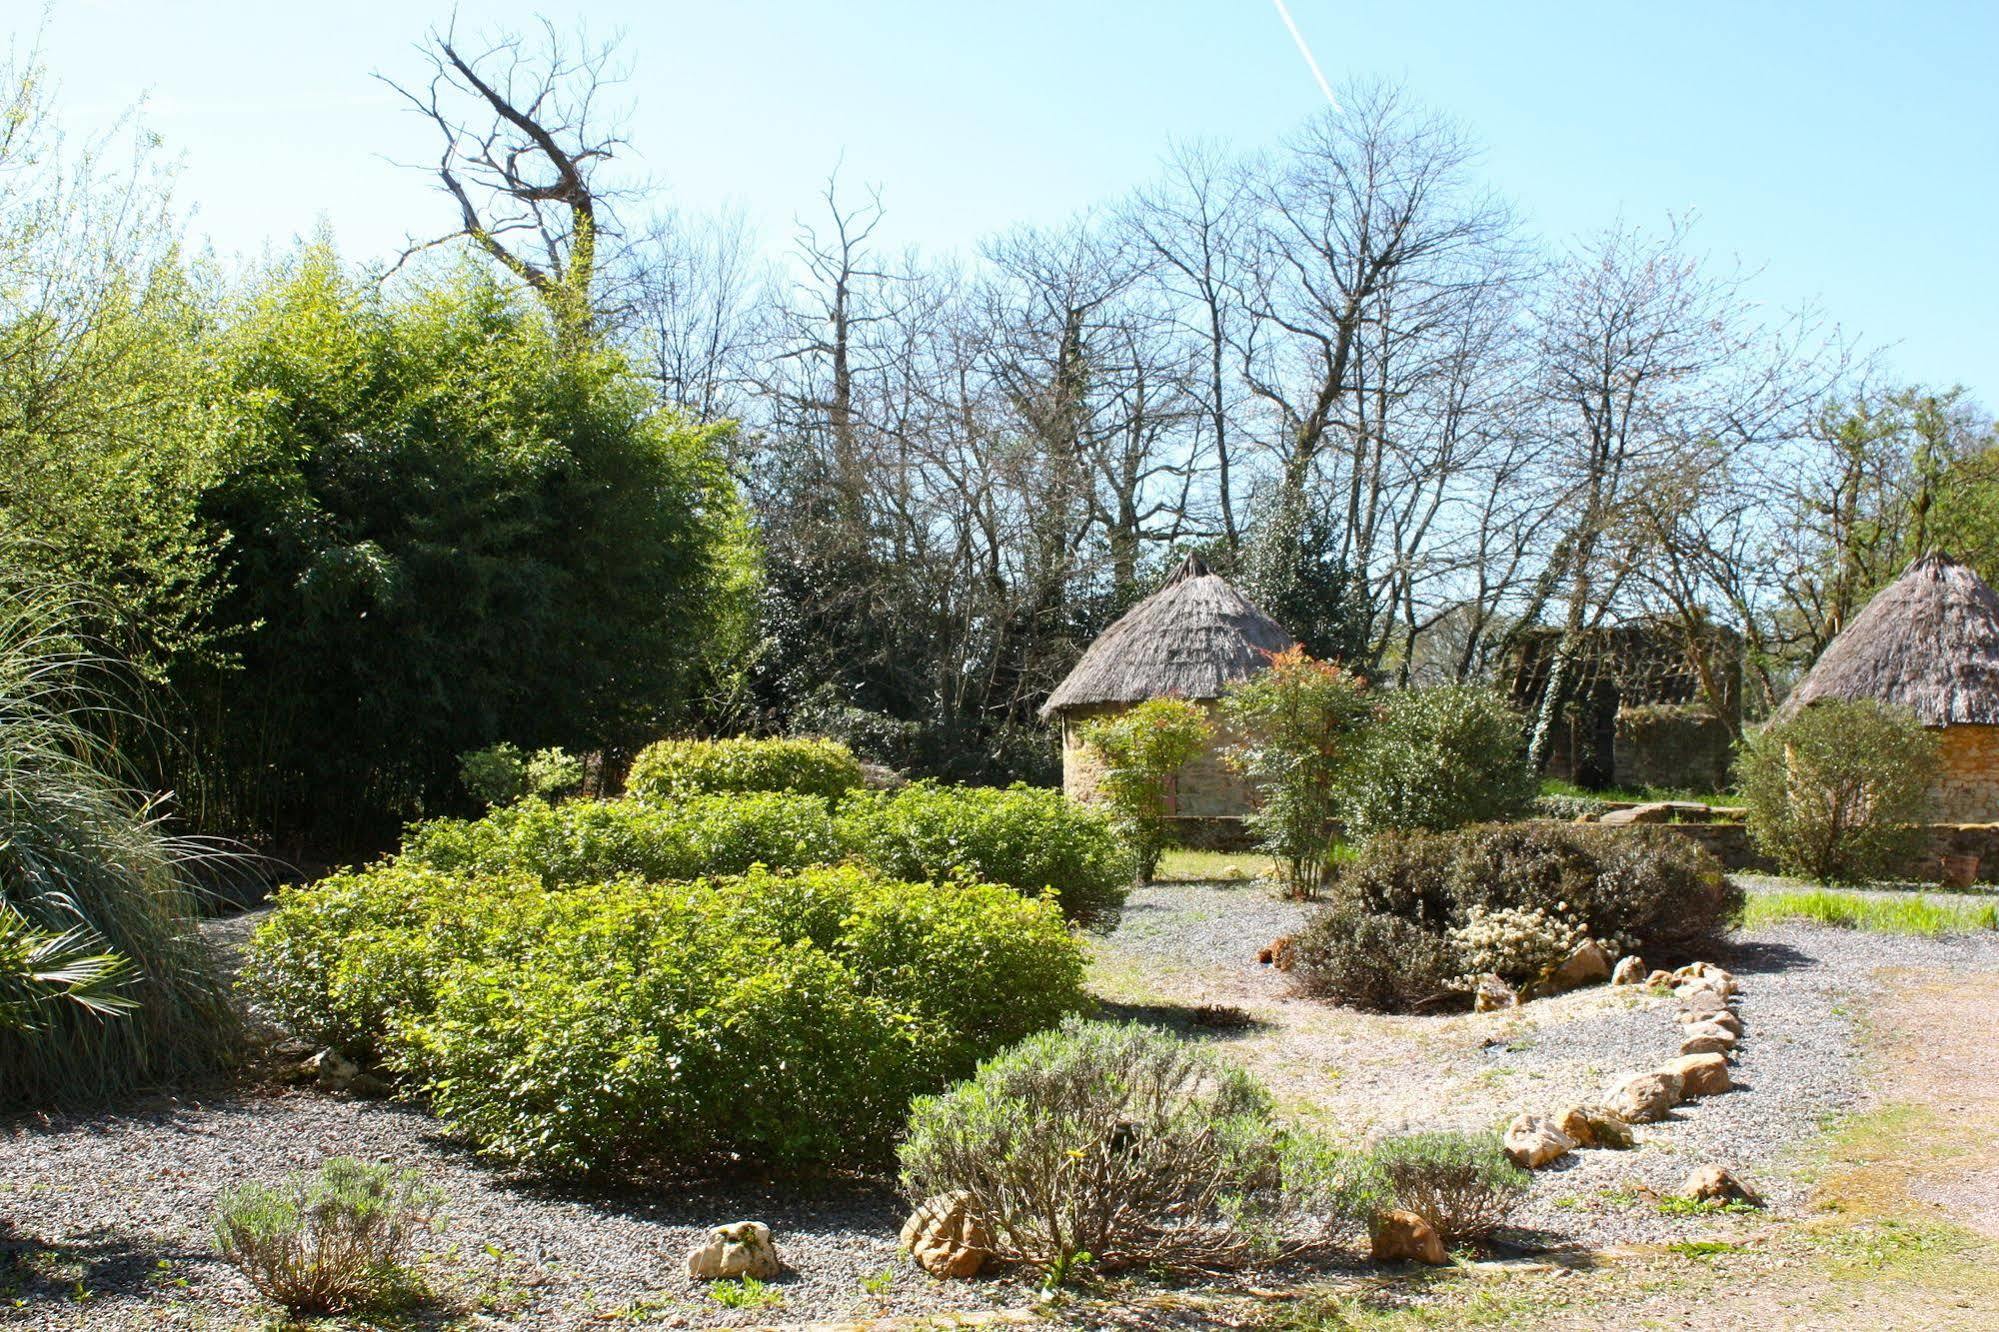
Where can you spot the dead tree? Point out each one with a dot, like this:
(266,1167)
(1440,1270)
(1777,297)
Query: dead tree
(523,141)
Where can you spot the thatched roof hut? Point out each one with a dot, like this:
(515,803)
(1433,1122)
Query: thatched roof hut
(1192,639)
(1929,641)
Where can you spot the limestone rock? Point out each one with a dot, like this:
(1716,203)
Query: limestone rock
(1663,979)
(1592,1124)
(1586,964)
(1711,1183)
(1628,971)
(1397,1236)
(739,1249)
(1703,1004)
(1701,1074)
(946,1237)
(1707,1043)
(1726,1019)
(1533,1141)
(368,1087)
(336,1072)
(1644,1098)
(1492,993)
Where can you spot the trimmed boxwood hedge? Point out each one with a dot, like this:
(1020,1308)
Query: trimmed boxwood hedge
(676,769)
(1034,839)
(592,841)
(779,1019)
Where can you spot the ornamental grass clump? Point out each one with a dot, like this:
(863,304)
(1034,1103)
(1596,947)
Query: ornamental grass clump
(329,1242)
(88,868)
(1108,1146)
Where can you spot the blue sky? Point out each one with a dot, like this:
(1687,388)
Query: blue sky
(1848,151)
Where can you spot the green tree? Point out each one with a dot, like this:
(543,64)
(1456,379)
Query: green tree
(1838,791)
(1295,725)
(1143,748)
(443,531)
(1437,759)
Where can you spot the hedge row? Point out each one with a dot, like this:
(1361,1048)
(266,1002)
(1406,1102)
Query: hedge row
(1029,839)
(782,1019)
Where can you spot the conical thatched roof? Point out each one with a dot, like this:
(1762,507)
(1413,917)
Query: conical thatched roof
(1928,641)
(1191,639)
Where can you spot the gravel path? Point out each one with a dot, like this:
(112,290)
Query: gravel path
(118,1206)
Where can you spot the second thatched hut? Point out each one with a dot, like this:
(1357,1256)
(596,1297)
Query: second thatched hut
(1192,639)
(1929,642)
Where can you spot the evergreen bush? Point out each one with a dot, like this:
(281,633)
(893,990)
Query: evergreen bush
(676,769)
(1033,839)
(1112,1146)
(1838,791)
(1436,759)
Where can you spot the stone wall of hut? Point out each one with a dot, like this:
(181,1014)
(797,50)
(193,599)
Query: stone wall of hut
(1207,788)
(1968,789)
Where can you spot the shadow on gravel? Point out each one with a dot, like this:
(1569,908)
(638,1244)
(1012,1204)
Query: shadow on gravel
(108,1266)
(1200,1021)
(1755,957)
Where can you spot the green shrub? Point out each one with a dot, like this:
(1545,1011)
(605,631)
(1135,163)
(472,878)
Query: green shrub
(1143,748)
(1295,725)
(1028,838)
(1837,791)
(334,1241)
(495,775)
(779,1018)
(500,774)
(675,769)
(1461,1183)
(1371,960)
(1115,1146)
(591,841)
(1507,898)
(1437,759)
(645,1029)
(340,961)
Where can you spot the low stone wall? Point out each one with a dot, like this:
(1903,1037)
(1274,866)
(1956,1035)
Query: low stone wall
(1728,842)
(1212,833)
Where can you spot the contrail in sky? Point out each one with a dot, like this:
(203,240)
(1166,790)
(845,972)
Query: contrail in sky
(1306,51)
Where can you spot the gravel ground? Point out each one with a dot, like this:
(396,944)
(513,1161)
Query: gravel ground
(1359,1075)
(119,1206)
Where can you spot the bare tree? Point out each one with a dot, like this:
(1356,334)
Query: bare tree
(693,310)
(525,132)
(1655,374)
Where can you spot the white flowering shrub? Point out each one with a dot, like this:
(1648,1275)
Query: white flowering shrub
(1515,943)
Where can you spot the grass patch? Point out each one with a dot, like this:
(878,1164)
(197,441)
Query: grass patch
(1916,914)
(1442,1300)
(744,1293)
(1636,795)
(1180,865)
